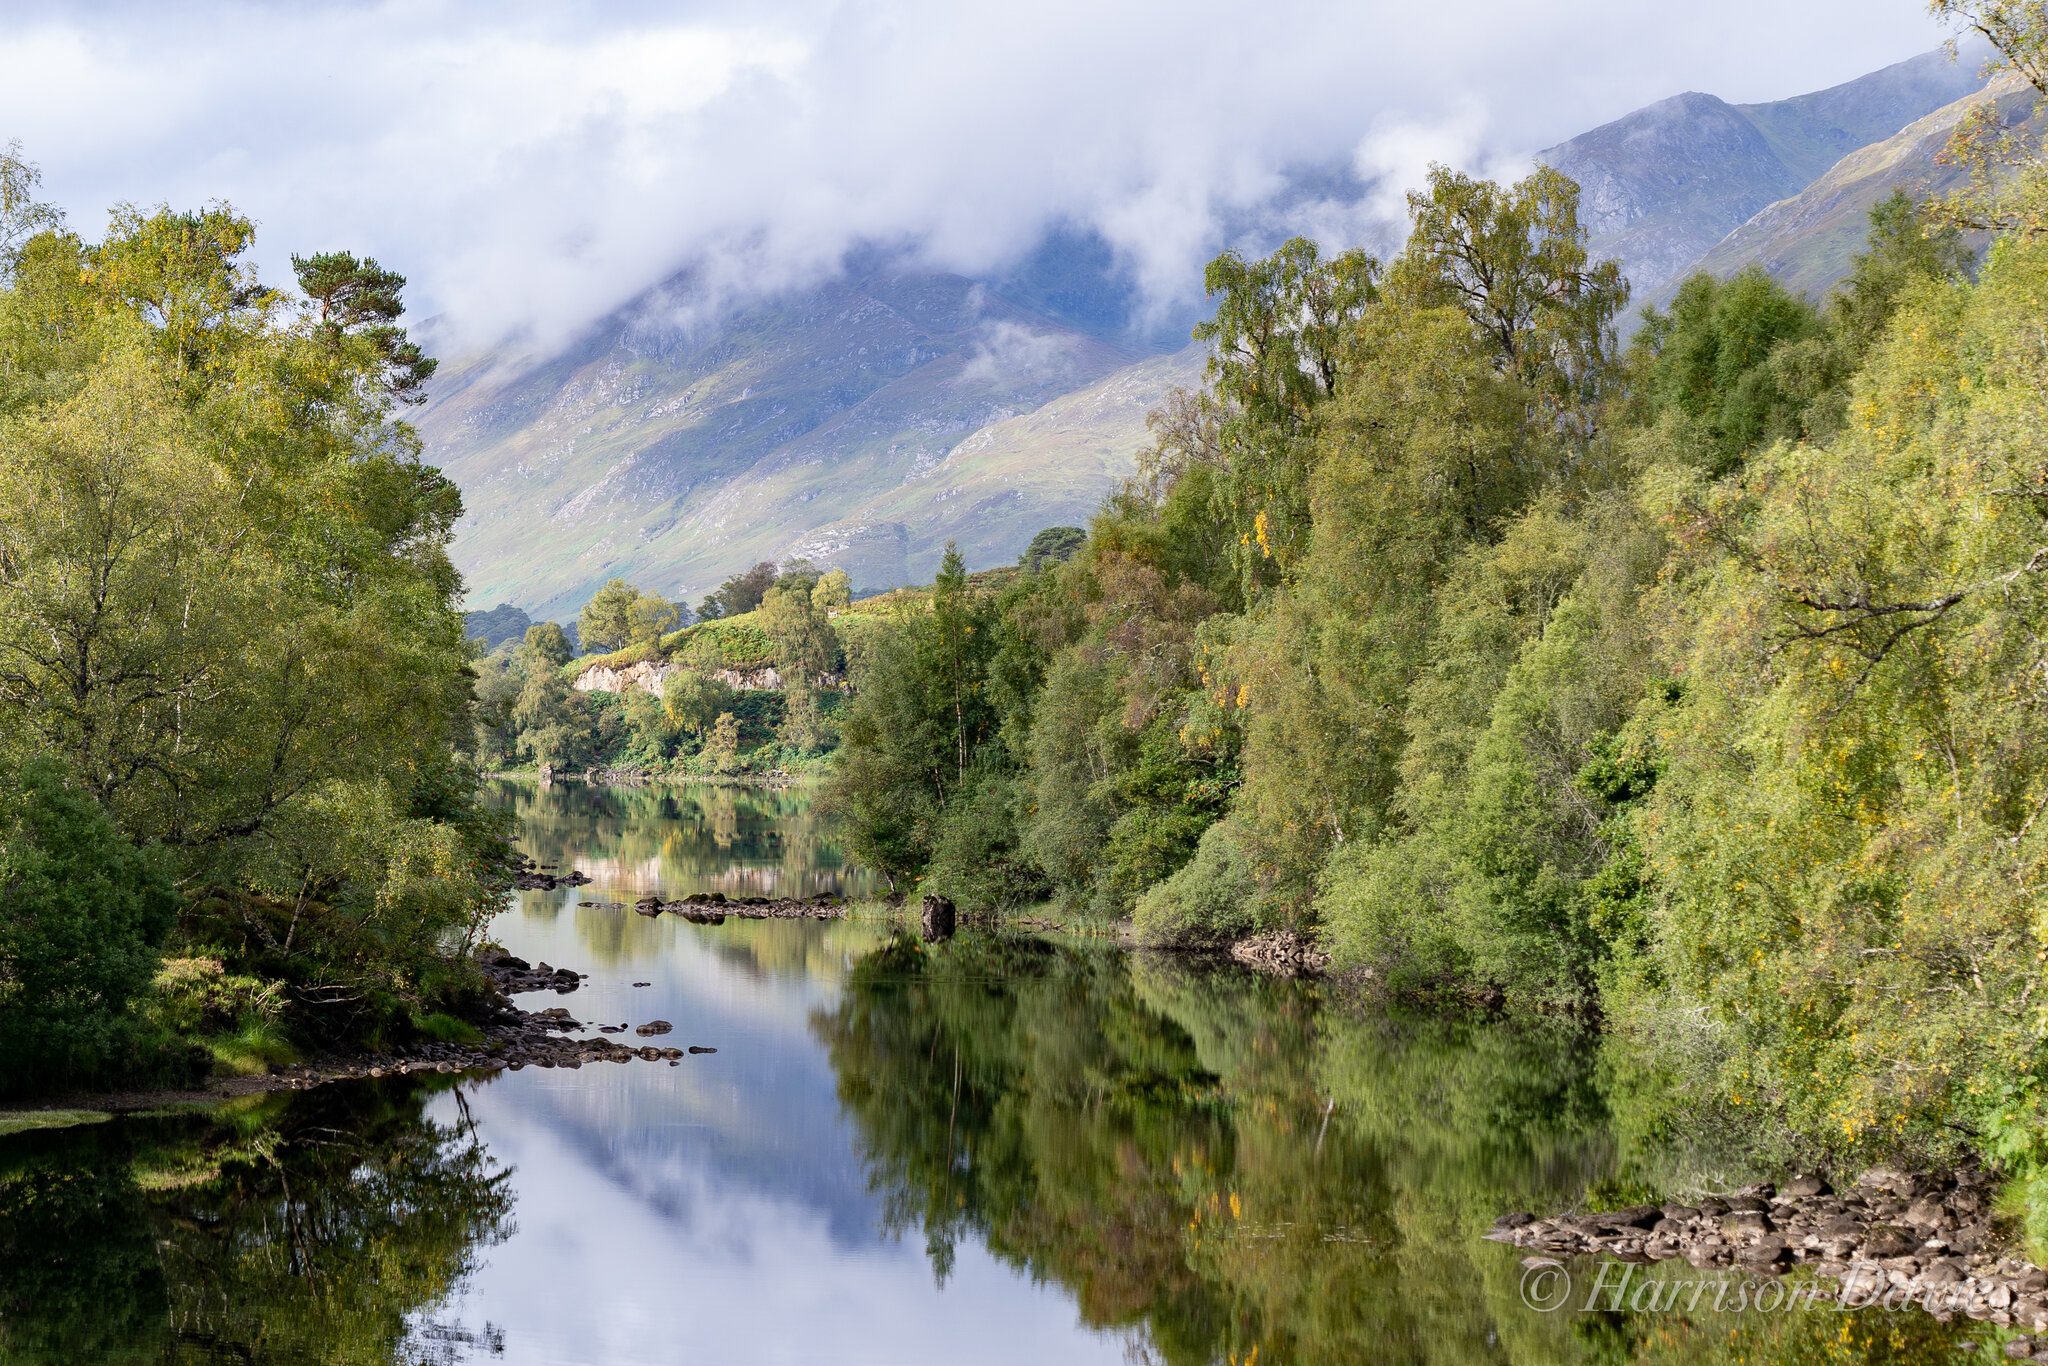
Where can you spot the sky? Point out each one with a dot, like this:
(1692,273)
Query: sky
(533,164)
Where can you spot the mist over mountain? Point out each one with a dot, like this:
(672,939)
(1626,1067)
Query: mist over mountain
(866,416)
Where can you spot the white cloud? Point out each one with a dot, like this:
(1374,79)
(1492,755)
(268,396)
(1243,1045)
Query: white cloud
(536,164)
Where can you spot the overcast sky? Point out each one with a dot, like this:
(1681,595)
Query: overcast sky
(533,163)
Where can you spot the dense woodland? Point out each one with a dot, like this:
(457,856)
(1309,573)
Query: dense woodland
(235,813)
(1695,683)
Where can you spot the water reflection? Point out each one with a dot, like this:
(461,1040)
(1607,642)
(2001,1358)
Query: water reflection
(673,839)
(325,1228)
(1230,1170)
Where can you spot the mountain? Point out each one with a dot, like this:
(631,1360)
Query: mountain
(670,451)
(1663,185)
(867,419)
(1806,241)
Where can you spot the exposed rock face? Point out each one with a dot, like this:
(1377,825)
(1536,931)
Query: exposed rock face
(649,675)
(1918,1239)
(938,919)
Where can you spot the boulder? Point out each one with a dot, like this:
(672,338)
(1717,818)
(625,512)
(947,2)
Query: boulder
(938,919)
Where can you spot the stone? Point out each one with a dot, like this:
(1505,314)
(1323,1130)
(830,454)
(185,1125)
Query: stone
(1744,1224)
(1887,1241)
(1763,1252)
(653,1027)
(938,919)
(1805,1188)
(1926,1212)
(700,1048)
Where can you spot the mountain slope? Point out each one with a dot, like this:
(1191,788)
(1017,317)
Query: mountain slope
(670,453)
(1806,241)
(1662,185)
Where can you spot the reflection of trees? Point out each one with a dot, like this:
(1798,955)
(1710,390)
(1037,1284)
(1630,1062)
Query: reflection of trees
(743,841)
(319,1229)
(1229,1165)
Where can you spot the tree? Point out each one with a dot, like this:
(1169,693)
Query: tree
(360,301)
(722,745)
(1054,545)
(22,215)
(1277,340)
(650,617)
(1514,259)
(619,615)
(1709,360)
(693,701)
(833,593)
(548,644)
(82,912)
(740,593)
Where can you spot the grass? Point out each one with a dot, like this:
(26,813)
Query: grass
(252,1050)
(444,1028)
(24,1121)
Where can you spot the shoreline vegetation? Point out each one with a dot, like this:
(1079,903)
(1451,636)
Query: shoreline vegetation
(1688,688)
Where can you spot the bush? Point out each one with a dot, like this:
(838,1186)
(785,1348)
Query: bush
(975,857)
(1213,898)
(82,912)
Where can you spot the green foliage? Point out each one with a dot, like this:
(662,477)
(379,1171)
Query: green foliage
(358,303)
(503,624)
(227,614)
(547,644)
(1698,690)
(739,594)
(1054,545)
(1212,898)
(619,616)
(82,913)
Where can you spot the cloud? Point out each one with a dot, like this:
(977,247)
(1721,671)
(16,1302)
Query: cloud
(533,165)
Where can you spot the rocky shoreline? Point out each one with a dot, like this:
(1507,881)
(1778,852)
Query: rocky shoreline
(513,1038)
(1892,1237)
(712,908)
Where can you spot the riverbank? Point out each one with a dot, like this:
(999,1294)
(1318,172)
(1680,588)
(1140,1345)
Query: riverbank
(507,1038)
(1890,1237)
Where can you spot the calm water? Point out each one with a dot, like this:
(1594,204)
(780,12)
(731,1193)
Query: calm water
(1004,1150)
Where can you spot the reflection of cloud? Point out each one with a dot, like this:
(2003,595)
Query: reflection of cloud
(536,163)
(598,1271)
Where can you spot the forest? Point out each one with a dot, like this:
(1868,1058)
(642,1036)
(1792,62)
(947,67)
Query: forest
(1692,683)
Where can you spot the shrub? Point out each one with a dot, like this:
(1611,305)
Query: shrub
(82,912)
(1212,898)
